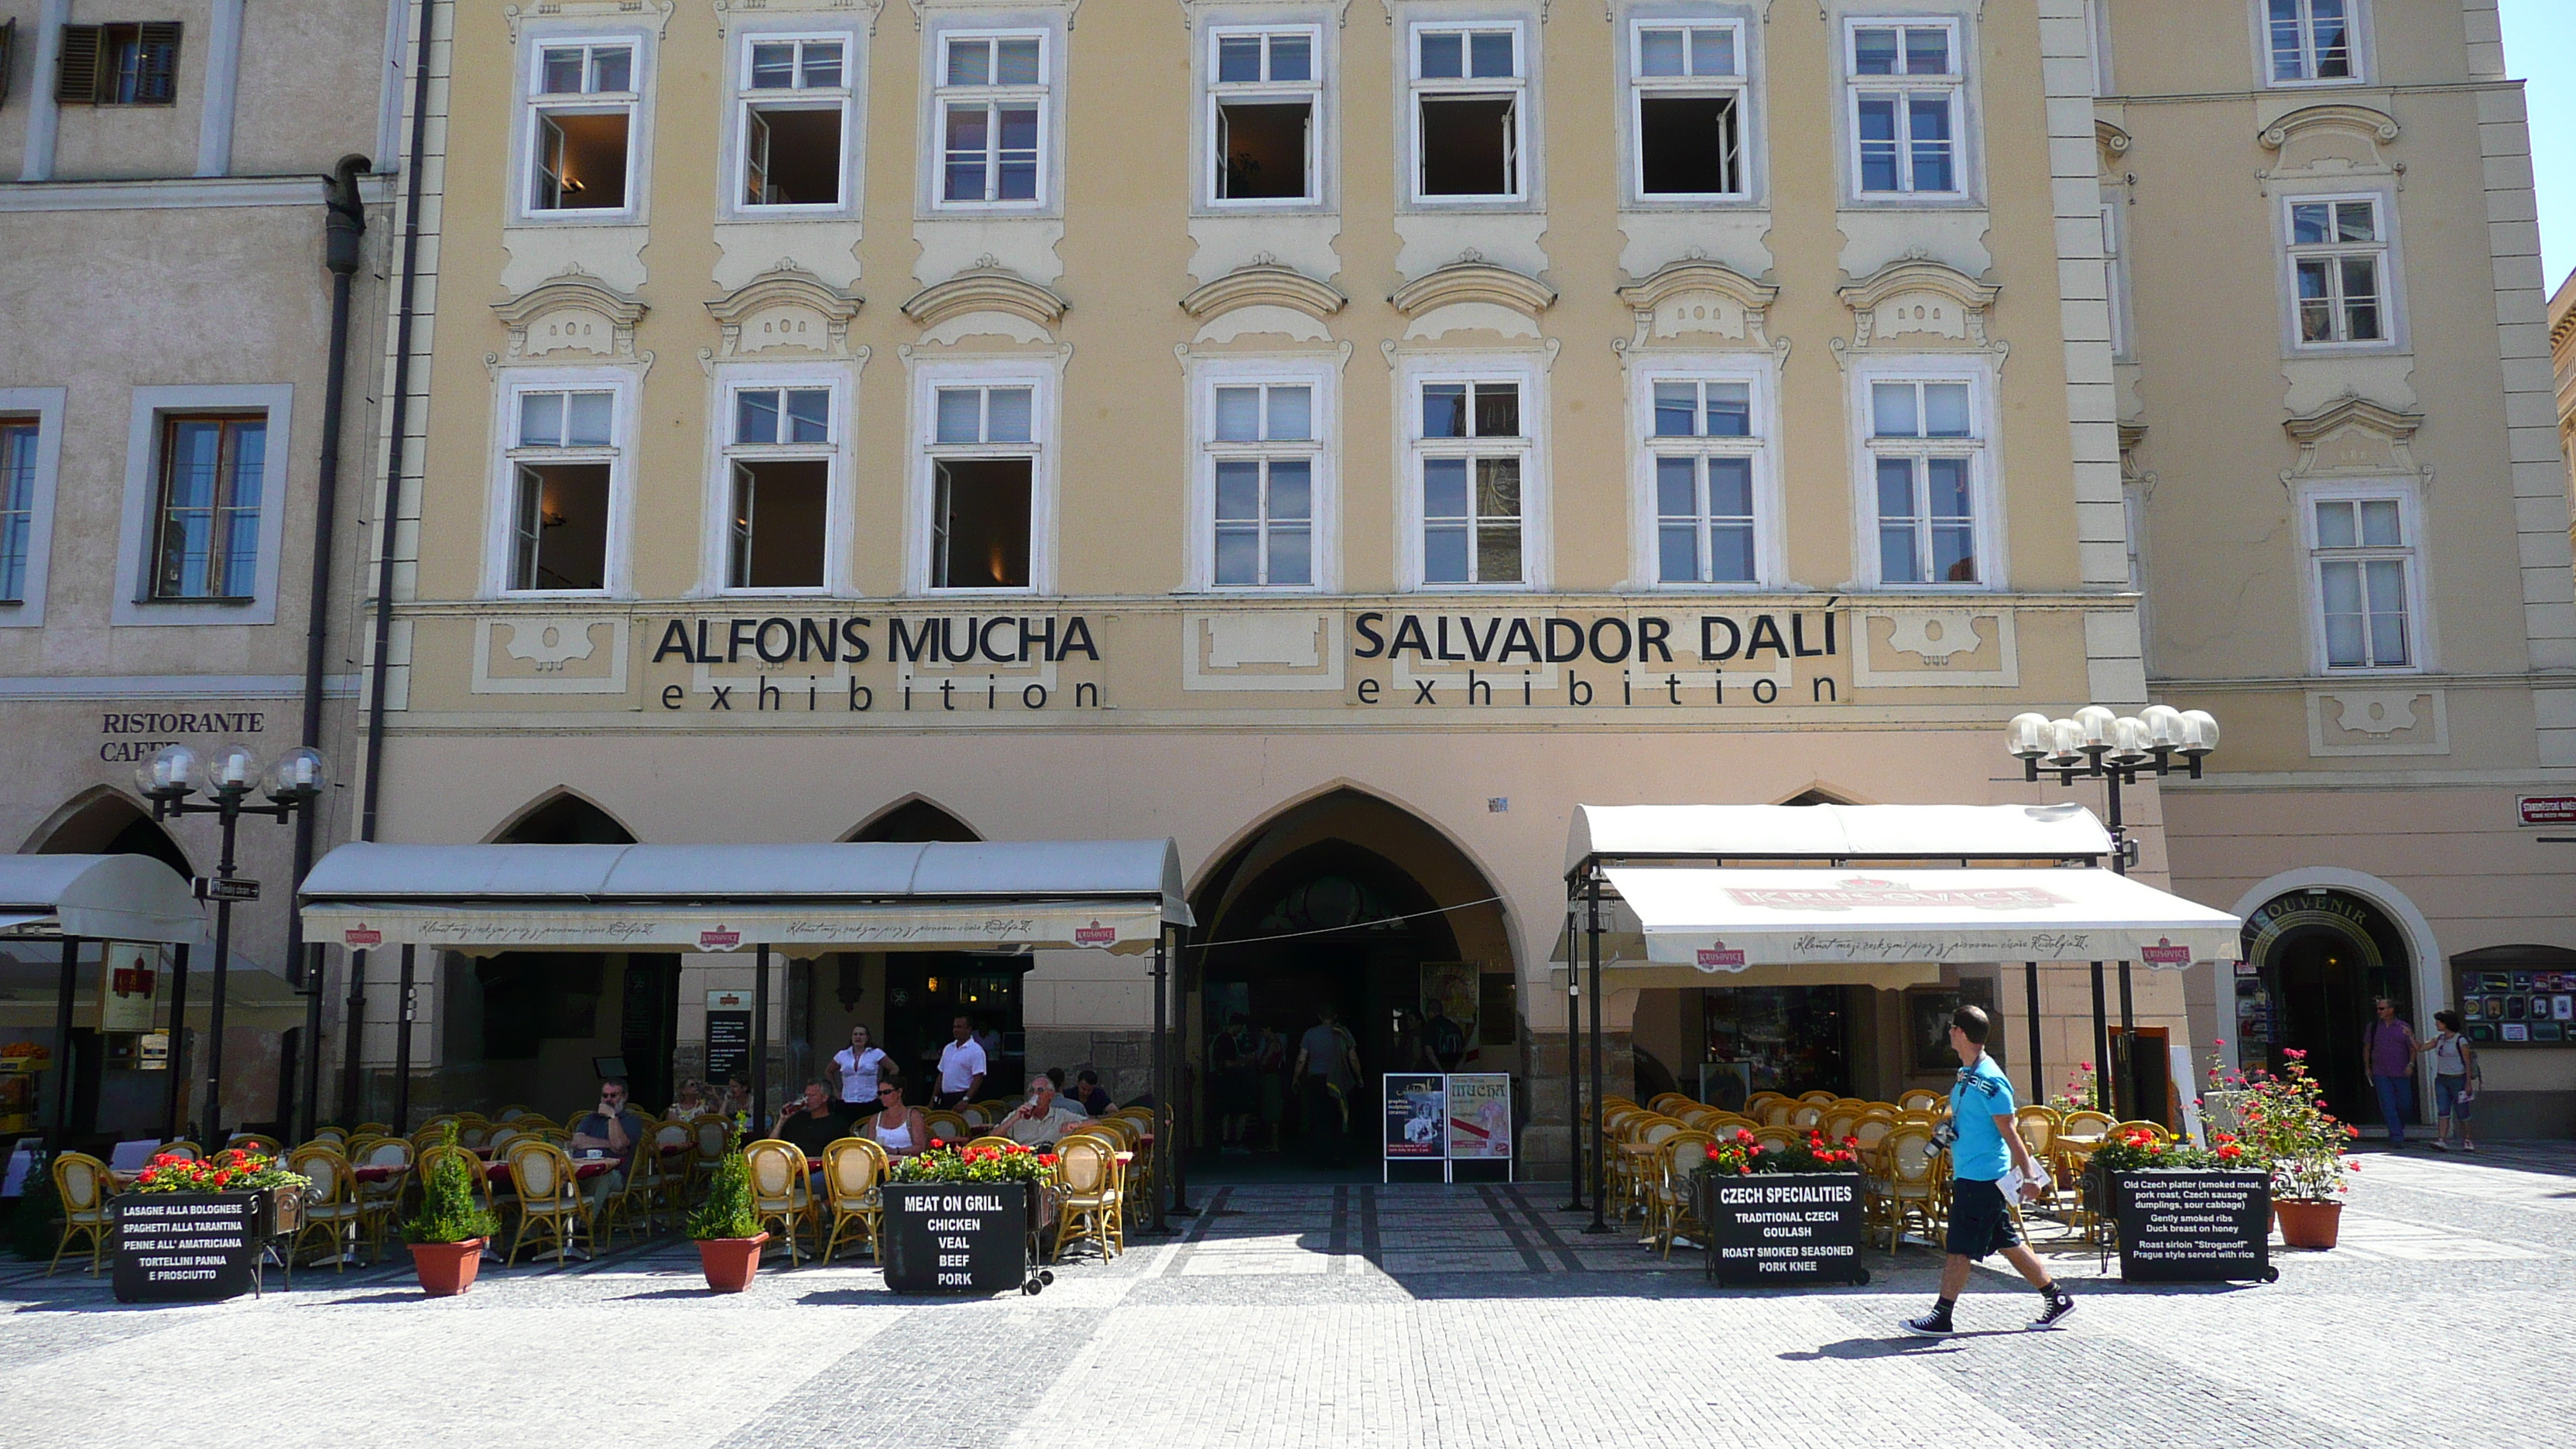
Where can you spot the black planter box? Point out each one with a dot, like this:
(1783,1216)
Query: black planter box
(2189,1226)
(956,1237)
(188,1247)
(1779,1230)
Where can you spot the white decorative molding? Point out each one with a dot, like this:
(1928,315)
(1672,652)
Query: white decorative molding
(1265,283)
(550,656)
(1935,648)
(1918,297)
(1697,297)
(1263,650)
(2336,139)
(786,306)
(1473,279)
(2354,437)
(550,9)
(2406,720)
(2132,435)
(2112,141)
(922,8)
(573,312)
(985,287)
(728,8)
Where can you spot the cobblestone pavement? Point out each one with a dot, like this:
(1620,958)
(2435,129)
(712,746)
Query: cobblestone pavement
(1361,1316)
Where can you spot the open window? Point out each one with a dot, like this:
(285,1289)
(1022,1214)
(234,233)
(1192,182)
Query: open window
(1689,80)
(983,487)
(795,114)
(1263,104)
(779,467)
(1468,91)
(563,475)
(581,131)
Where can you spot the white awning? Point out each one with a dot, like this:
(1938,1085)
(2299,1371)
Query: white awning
(803,900)
(97,897)
(1726,922)
(1835,832)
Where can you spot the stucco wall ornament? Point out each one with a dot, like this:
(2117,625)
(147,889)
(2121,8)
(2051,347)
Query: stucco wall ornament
(2354,437)
(789,307)
(571,312)
(2337,139)
(1473,279)
(1697,297)
(988,286)
(1265,283)
(726,9)
(1923,302)
(549,9)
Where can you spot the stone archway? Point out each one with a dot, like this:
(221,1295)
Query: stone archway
(2318,957)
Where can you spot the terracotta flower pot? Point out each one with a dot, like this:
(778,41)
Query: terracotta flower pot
(730,1262)
(2307,1223)
(447,1269)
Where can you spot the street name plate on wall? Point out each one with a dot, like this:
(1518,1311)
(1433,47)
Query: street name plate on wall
(1780,1230)
(174,1247)
(2193,1227)
(956,1237)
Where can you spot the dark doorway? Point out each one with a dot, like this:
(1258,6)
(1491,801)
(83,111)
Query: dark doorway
(546,1016)
(2320,958)
(927,990)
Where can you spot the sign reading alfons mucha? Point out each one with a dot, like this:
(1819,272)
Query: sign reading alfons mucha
(1552,659)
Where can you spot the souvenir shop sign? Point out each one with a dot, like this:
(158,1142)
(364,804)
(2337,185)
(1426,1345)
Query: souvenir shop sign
(2193,1227)
(1778,1230)
(956,1237)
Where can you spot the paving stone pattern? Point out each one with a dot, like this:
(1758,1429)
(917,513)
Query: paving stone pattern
(1346,1316)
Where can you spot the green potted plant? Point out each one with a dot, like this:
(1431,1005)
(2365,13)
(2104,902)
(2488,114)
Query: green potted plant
(724,1227)
(448,1234)
(2284,1124)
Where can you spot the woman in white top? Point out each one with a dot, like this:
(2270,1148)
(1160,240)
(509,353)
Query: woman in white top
(854,1071)
(900,1130)
(2455,1079)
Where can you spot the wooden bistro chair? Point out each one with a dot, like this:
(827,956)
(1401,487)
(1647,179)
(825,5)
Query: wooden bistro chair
(551,1200)
(1087,1204)
(1779,1111)
(332,1211)
(180,1148)
(780,1190)
(381,1201)
(948,1126)
(853,1169)
(265,1146)
(675,1144)
(1908,1187)
(80,1181)
(1669,1210)
(1919,1099)
(710,1136)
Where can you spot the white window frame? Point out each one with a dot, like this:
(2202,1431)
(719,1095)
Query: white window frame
(533,103)
(501,528)
(141,515)
(1955,86)
(1314,91)
(2115,269)
(1530,374)
(2384,250)
(1641,86)
(45,406)
(1323,378)
(2411,550)
(1043,376)
(849,97)
(840,502)
(1983,448)
(1759,374)
(1042,97)
(1522,85)
(2259,12)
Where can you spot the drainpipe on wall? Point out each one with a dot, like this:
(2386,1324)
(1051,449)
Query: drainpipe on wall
(344,226)
(408,287)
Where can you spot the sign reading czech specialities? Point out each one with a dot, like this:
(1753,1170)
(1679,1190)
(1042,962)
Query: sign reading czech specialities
(185,1247)
(955,1237)
(2193,1227)
(1782,1229)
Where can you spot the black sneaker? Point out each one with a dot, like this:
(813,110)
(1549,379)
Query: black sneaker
(1930,1325)
(2055,1313)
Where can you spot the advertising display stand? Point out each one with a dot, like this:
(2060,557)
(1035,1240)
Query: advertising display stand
(2193,1227)
(189,1247)
(1781,1230)
(1447,1127)
(957,1237)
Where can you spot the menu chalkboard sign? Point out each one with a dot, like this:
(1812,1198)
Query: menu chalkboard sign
(2193,1227)
(1781,1229)
(174,1247)
(728,1046)
(955,1237)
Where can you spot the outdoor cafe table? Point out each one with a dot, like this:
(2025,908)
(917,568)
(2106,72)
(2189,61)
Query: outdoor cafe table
(583,1169)
(378,1171)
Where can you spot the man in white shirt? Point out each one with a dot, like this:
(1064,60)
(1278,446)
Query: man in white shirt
(961,1065)
(854,1070)
(1043,1118)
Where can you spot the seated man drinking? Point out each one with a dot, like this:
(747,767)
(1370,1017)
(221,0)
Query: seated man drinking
(1040,1120)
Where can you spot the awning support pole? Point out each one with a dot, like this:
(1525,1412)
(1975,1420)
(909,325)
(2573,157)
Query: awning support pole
(1166,1149)
(2038,1078)
(2101,1048)
(2129,1104)
(1573,1079)
(760,1038)
(1592,930)
(63,1040)
(314,981)
(402,1047)
(177,1089)
(353,1040)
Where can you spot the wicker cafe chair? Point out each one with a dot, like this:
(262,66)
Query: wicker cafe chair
(947,1126)
(2155,1130)
(853,1169)
(1087,1202)
(1909,1189)
(712,1137)
(550,1198)
(254,1142)
(1670,1207)
(674,1144)
(476,1172)
(1628,1169)
(780,1189)
(180,1148)
(331,1207)
(1807,1116)
(1919,1099)
(990,1141)
(1840,1121)
(80,1181)
(380,1201)
(1778,1111)
(1670,1103)
(632,1205)
(1776,1137)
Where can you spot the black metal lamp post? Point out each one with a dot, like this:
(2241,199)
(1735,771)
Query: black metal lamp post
(167,780)
(2102,744)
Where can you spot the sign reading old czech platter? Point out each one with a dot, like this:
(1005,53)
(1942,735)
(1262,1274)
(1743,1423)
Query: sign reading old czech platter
(2193,1227)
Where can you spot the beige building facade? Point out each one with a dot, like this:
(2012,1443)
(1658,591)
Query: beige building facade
(166,317)
(1346,438)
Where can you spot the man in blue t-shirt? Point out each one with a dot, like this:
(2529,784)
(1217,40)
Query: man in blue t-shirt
(1983,1147)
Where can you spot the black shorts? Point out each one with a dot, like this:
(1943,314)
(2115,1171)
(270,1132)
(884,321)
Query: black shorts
(1981,1222)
